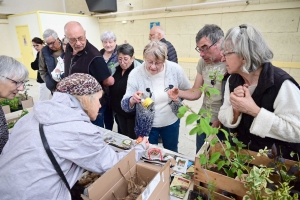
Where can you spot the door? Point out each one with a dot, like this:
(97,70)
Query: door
(25,45)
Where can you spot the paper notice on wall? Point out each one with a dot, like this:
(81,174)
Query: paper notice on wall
(150,188)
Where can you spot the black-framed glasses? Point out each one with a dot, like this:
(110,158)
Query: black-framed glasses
(73,40)
(205,49)
(18,83)
(51,43)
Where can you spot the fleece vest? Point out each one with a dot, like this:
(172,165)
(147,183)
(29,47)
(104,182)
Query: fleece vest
(269,84)
(80,63)
(50,62)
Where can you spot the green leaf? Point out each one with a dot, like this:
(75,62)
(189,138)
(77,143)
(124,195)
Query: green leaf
(195,130)
(227,153)
(214,141)
(180,115)
(191,118)
(203,159)
(220,77)
(202,111)
(183,109)
(225,133)
(292,154)
(205,126)
(204,86)
(221,164)
(214,157)
(207,94)
(239,173)
(213,91)
(228,145)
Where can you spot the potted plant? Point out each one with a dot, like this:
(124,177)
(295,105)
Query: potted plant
(231,158)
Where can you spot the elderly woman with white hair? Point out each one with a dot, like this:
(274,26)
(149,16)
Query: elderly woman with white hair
(13,75)
(261,101)
(153,79)
(61,126)
(109,53)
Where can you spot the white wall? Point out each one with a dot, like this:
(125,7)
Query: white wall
(21,6)
(57,21)
(5,38)
(31,20)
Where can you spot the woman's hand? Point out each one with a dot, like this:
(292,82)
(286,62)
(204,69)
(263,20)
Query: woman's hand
(135,98)
(244,104)
(239,91)
(173,94)
(146,141)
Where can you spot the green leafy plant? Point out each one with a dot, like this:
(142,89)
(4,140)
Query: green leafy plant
(12,103)
(12,124)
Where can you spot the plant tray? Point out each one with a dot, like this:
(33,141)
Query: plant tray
(223,182)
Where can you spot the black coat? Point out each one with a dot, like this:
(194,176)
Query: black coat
(118,89)
(35,66)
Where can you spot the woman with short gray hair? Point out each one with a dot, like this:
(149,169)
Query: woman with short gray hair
(13,75)
(153,79)
(261,101)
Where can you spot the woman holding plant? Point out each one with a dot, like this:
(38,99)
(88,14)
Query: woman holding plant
(261,101)
(13,75)
(153,79)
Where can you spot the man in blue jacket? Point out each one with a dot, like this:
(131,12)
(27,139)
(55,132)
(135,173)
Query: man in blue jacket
(48,57)
(157,33)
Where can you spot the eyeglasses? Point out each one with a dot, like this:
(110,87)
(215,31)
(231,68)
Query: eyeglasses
(51,43)
(124,60)
(224,54)
(74,40)
(18,84)
(205,49)
(157,64)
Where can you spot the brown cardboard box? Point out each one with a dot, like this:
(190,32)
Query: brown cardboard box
(158,179)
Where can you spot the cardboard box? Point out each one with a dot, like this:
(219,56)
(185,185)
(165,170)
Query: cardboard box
(158,179)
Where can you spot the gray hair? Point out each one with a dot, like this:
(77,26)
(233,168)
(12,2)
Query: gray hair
(108,35)
(65,39)
(212,31)
(12,69)
(247,42)
(49,32)
(157,49)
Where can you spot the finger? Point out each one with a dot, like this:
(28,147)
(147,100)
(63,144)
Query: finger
(247,92)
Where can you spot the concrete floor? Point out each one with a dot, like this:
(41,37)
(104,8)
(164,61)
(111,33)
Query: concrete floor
(187,144)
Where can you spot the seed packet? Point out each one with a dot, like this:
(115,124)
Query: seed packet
(181,165)
(180,185)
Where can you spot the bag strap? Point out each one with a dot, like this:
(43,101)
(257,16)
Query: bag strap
(52,158)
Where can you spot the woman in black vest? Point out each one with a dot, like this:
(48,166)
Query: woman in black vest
(126,64)
(261,101)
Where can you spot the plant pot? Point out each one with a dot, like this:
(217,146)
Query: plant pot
(27,103)
(193,195)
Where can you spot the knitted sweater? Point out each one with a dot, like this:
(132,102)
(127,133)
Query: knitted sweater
(139,80)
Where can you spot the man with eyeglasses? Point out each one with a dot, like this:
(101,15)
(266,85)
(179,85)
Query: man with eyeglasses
(48,57)
(157,33)
(82,57)
(207,44)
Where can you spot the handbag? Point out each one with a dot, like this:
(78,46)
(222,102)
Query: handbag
(77,189)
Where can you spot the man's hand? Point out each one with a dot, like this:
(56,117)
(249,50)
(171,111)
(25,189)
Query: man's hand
(216,124)
(244,104)
(173,94)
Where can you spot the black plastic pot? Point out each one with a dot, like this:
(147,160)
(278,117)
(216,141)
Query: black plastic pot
(193,195)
